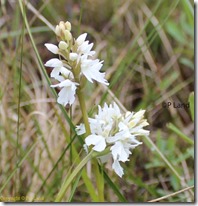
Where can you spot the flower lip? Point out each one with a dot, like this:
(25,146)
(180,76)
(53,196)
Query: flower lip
(98,142)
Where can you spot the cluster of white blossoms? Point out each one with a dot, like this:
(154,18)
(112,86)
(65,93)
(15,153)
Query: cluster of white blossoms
(74,63)
(116,131)
(113,134)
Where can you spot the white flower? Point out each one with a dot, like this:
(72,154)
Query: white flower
(76,60)
(84,48)
(110,128)
(51,47)
(67,93)
(91,70)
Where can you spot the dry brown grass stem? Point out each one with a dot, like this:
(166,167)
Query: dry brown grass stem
(172,194)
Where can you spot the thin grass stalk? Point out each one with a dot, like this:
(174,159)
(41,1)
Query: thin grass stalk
(18,165)
(18,177)
(172,194)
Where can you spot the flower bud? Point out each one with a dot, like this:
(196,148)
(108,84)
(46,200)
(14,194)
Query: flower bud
(62,25)
(63,45)
(57,30)
(68,35)
(68,25)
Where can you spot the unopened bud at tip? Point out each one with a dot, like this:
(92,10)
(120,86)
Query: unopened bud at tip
(68,25)
(68,35)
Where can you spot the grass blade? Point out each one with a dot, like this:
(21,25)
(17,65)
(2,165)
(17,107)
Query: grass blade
(179,133)
(18,165)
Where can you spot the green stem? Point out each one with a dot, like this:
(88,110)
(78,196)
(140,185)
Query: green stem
(99,176)
(99,181)
(84,111)
(68,181)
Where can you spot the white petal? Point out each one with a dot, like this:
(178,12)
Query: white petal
(85,48)
(139,114)
(123,127)
(80,129)
(81,38)
(88,48)
(136,118)
(96,140)
(73,56)
(66,83)
(100,146)
(53,48)
(54,63)
(117,168)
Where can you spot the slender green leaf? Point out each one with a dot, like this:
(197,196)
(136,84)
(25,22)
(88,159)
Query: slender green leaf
(74,186)
(179,133)
(114,188)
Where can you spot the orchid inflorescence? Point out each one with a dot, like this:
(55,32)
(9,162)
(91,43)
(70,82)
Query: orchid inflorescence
(111,130)
(76,62)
